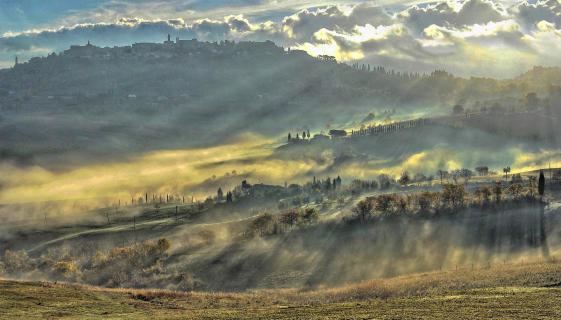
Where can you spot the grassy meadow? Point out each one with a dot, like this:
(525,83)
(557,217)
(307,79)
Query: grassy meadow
(509,291)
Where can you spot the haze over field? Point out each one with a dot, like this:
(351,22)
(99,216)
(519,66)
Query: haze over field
(170,130)
(248,145)
(67,114)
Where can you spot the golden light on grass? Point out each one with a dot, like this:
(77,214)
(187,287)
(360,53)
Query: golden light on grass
(170,171)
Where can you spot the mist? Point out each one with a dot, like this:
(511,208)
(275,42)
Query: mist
(146,167)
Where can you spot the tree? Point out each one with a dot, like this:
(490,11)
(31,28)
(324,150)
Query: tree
(482,171)
(458,109)
(419,177)
(17,262)
(262,225)
(425,200)
(310,215)
(532,186)
(328,184)
(404,179)
(338,181)
(363,209)
(384,202)
(541,184)
(506,171)
(466,174)
(442,174)
(289,136)
(219,195)
(290,217)
(478,195)
(453,196)
(515,191)
(485,194)
(532,99)
(498,191)
(384,181)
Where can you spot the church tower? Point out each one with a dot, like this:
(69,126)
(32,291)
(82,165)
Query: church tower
(16,62)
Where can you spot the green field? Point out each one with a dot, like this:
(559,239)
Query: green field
(528,291)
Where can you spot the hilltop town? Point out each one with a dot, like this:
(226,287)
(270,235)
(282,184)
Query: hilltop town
(126,58)
(91,100)
(87,72)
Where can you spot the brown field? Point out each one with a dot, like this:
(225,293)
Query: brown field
(512,291)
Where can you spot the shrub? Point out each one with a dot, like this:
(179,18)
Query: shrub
(426,201)
(384,203)
(65,270)
(364,209)
(341,201)
(515,191)
(163,245)
(98,260)
(310,215)
(482,194)
(357,186)
(453,196)
(262,225)
(119,279)
(498,191)
(291,217)
(127,266)
(186,282)
(17,262)
(139,255)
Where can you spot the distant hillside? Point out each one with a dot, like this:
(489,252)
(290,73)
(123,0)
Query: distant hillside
(193,69)
(541,75)
(116,101)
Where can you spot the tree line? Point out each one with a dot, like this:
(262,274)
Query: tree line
(452,199)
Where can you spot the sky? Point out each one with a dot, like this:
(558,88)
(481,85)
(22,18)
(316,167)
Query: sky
(487,38)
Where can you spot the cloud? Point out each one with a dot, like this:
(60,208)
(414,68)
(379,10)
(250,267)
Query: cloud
(454,14)
(421,37)
(363,41)
(455,47)
(498,34)
(529,14)
(132,29)
(475,37)
(305,23)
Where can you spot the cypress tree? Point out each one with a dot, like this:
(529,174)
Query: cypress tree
(541,183)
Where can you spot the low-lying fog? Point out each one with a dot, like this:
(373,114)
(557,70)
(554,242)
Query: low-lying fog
(39,205)
(330,253)
(199,172)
